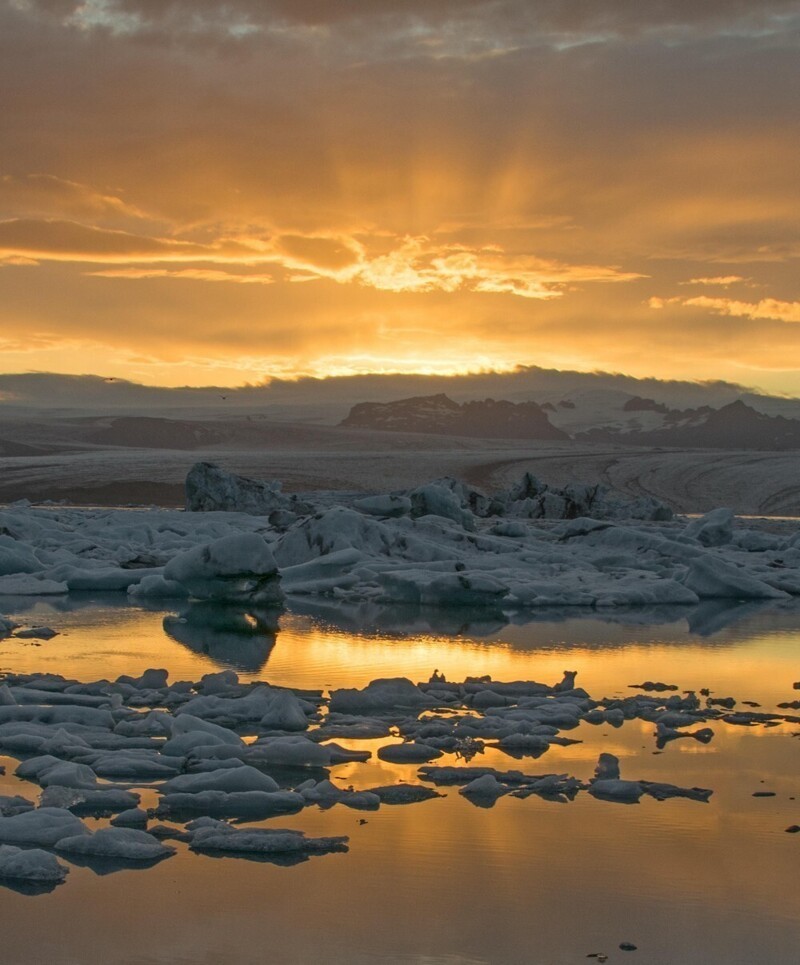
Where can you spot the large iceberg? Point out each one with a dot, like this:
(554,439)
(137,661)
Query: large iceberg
(238,568)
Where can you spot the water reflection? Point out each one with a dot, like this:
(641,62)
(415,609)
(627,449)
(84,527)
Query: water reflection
(232,636)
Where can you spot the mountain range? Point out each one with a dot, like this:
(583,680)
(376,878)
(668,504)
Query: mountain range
(594,417)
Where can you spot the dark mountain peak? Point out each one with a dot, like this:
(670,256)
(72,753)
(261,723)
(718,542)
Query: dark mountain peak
(491,418)
(640,404)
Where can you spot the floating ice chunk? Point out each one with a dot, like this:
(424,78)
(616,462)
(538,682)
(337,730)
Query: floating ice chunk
(276,708)
(131,818)
(155,587)
(343,725)
(7,699)
(46,770)
(34,585)
(104,800)
(224,681)
(484,790)
(285,712)
(666,734)
(387,506)
(640,590)
(17,557)
(289,751)
(518,744)
(36,633)
(6,625)
(187,723)
(408,753)
(14,804)
(210,489)
(662,792)
(151,679)
(32,865)
(84,577)
(128,844)
(713,529)
(486,699)
(134,765)
(237,568)
(89,716)
(236,804)
(437,500)
(153,724)
(331,531)
(263,841)
(384,694)
(607,768)
(326,794)
(44,826)
(710,576)
(243,778)
(464,590)
(403,793)
(322,574)
(622,792)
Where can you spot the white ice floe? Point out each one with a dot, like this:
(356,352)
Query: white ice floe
(198,766)
(252,805)
(11,804)
(131,818)
(210,489)
(127,844)
(709,576)
(444,544)
(31,865)
(238,568)
(222,837)
(44,826)
(484,789)
(275,708)
(243,778)
(6,626)
(408,753)
(387,694)
(713,529)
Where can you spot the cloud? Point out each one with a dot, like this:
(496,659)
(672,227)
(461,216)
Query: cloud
(440,27)
(185,274)
(722,280)
(46,194)
(461,180)
(70,241)
(411,265)
(765,308)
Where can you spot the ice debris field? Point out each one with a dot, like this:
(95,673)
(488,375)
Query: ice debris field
(198,764)
(443,544)
(217,755)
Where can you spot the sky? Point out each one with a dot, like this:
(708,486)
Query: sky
(196,192)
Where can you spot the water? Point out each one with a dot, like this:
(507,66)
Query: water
(444,882)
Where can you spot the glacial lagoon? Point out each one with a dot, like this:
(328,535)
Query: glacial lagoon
(446,881)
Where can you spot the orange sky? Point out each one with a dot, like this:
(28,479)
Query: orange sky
(194,192)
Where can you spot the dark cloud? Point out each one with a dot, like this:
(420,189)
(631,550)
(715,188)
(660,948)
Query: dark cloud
(545,17)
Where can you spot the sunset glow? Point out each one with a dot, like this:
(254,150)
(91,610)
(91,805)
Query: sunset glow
(196,193)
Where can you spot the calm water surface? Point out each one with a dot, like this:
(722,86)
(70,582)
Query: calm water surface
(444,882)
